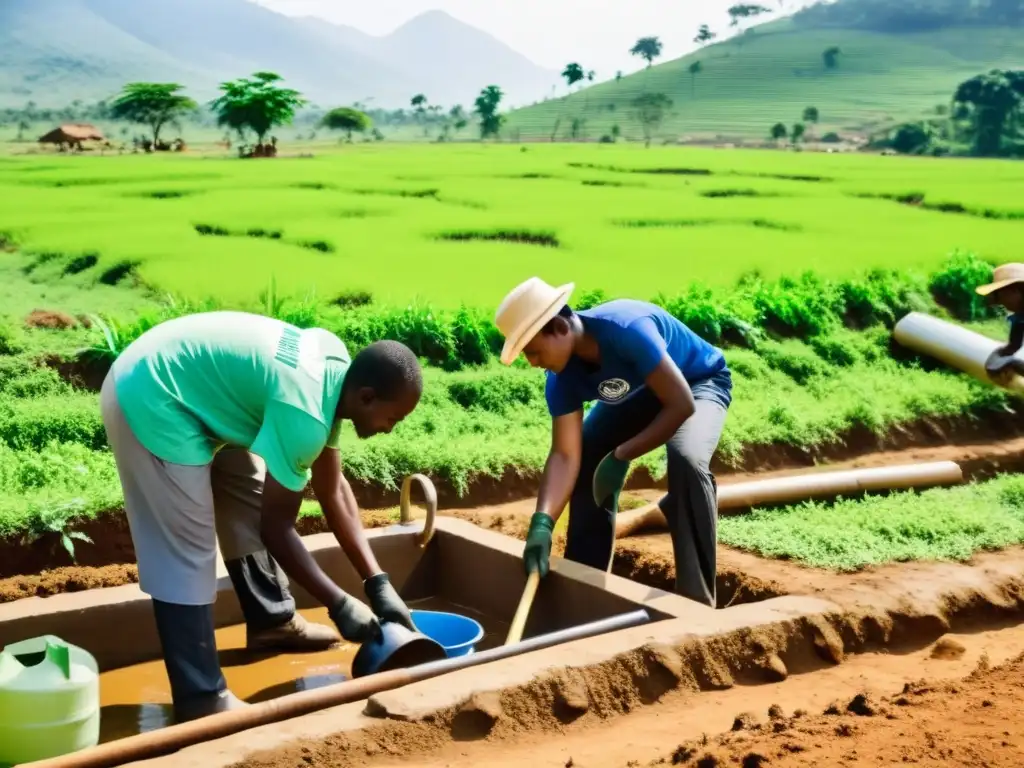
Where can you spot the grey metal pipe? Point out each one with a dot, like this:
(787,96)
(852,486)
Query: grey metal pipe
(167,740)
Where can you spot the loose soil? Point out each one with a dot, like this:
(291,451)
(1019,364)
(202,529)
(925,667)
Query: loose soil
(662,705)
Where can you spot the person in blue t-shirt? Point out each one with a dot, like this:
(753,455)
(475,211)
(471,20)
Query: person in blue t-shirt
(1007,291)
(657,383)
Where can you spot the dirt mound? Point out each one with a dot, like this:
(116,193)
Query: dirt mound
(918,725)
(51,320)
(70,579)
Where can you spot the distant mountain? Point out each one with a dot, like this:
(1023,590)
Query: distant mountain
(55,51)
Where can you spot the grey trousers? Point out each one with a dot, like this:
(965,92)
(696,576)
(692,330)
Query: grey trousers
(179,515)
(691,504)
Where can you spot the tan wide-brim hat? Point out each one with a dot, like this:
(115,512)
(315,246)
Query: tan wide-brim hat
(1005,274)
(527,309)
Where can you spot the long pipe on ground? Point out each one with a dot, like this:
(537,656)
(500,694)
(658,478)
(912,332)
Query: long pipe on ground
(167,740)
(802,487)
(951,344)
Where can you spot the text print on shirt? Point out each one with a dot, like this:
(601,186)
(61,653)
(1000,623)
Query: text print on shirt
(288,348)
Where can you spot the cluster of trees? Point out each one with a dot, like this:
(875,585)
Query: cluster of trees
(913,15)
(986,115)
(258,104)
(780,132)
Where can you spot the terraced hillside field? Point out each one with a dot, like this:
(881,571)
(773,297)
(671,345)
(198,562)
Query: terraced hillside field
(749,83)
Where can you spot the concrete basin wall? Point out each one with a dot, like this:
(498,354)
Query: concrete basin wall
(464,564)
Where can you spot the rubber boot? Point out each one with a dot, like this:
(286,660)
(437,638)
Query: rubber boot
(271,622)
(187,636)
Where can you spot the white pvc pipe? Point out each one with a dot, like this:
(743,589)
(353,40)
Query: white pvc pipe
(803,487)
(951,344)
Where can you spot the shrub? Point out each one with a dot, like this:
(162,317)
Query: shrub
(954,286)
(11,339)
(831,138)
(911,138)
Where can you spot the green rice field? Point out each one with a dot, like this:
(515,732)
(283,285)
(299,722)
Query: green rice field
(462,224)
(798,264)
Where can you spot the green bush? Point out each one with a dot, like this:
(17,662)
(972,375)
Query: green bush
(804,307)
(31,424)
(11,339)
(954,286)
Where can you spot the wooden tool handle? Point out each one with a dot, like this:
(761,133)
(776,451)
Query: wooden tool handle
(515,632)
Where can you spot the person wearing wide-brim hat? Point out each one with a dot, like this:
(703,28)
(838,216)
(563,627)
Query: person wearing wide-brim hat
(1007,291)
(657,383)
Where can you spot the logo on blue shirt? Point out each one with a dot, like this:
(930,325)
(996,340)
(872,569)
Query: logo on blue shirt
(613,389)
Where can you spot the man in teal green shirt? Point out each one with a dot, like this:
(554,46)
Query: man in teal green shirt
(217,422)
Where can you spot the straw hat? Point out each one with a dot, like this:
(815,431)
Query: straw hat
(1005,274)
(527,309)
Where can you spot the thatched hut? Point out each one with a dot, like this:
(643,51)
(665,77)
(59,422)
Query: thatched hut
(72,135)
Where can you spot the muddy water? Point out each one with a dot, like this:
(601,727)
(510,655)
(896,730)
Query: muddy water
(137,699)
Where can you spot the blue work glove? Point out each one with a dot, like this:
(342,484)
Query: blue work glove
(355,621)
(386,603)
(609,477)
(538,544)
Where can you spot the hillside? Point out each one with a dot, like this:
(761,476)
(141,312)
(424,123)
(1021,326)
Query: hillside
(56,51)
(747,85)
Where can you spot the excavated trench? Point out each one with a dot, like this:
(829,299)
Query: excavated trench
(782,633)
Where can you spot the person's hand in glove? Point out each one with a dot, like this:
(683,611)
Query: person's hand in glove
(609,477)
(538,544)
(355,621)
(386,603)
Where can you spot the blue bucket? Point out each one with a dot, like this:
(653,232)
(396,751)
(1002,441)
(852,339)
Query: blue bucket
(456,634)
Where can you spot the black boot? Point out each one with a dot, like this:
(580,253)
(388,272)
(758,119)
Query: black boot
(271,621)
(187,636)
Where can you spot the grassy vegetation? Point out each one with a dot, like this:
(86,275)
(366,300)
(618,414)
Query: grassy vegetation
(939,524)
(748,83)
(462,224)
(802,378)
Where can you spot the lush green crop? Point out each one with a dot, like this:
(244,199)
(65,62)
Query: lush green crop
(939,524)
(463,224)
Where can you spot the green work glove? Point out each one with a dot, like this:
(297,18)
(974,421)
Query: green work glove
(538,544)
(609,477)
(386,603)
(355,621)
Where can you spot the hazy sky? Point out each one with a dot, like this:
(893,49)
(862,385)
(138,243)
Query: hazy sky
(597,33)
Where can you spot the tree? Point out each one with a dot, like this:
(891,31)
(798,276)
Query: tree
(797,133)
(420,107)
(993,102)
(648,49)
(152,104)
(695,69)
(572,74)
(257,104)
(650,109)
(811,115)
(23,125)
(347,119)
(743,12)
(486,107)
(911,138)
(831,57)
(457,119)
(704,35)
(779,131)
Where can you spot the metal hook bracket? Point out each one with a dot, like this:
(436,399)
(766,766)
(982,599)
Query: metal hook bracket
(429,501)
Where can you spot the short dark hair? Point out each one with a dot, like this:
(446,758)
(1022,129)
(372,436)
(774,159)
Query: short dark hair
(565,312)
(387,367)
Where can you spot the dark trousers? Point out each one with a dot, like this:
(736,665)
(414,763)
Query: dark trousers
(691,504)
(187,631)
